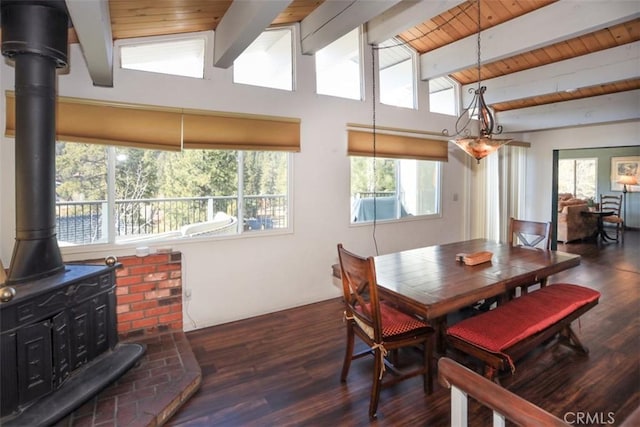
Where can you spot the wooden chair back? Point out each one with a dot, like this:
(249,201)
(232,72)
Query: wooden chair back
(609,202)
(529,233)
(360,291)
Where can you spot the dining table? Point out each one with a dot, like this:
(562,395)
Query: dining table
(433,282)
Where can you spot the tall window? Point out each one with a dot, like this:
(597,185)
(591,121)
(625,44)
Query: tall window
(183,57)
(385,189)
(442,96)
(120,195)
(338,67)
(578,177)
(397,74)
(267,62)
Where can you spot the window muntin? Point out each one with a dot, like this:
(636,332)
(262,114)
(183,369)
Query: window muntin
(160,195)
(578,177)
(442,96)
(267,62)
(184,57)
(338,70)
(388,189)
(396,64)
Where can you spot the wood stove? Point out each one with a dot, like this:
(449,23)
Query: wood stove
(58,336)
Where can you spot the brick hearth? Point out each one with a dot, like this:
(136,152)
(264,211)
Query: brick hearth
(149,307)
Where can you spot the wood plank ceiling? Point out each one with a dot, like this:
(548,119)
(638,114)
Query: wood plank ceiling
(143,18)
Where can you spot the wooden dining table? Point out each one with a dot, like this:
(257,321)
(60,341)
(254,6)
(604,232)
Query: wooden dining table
(432,282)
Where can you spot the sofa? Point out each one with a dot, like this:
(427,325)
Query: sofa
(572,225)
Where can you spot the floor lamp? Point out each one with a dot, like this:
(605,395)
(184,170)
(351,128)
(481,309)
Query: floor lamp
(626,180)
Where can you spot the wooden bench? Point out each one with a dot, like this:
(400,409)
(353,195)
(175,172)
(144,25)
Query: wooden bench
(505,334)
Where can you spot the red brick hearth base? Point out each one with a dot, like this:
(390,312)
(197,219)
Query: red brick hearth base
(149,308)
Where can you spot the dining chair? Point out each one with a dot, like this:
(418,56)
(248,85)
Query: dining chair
(532,234)
(609,202)
(529,233)
(381,326)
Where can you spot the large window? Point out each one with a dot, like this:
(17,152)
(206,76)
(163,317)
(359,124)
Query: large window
(397,74)
(578,177)
(267,62)
(128,195)
(386,189)
(338,67)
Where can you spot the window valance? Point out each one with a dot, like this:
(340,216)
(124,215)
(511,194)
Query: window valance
(165,128)
(397,144)
(208,130)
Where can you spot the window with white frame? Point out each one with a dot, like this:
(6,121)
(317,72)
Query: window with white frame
(338,71)
(388,189)
(107,194)
(396,64)
(268,61)
(181,57)
(442,96)
(578,177)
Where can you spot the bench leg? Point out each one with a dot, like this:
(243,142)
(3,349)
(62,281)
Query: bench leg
(491,373)
(570,339)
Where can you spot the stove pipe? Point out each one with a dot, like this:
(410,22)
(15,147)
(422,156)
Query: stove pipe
(34,36)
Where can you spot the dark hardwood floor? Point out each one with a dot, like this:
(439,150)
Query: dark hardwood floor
(283,369)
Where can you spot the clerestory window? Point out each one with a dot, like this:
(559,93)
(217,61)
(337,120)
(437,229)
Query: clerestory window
(338,70)
(443,96)
(181,57)
(268,61)
(397,69)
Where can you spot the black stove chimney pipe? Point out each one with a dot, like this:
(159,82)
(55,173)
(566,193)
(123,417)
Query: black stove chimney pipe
(34,35)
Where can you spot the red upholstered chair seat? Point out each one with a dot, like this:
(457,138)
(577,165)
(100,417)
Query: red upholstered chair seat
(499,329)
(395,322)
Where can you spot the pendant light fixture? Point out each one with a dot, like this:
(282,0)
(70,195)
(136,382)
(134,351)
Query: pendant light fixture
(483,143)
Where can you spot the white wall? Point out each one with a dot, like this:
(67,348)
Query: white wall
(235,278)
(540,158)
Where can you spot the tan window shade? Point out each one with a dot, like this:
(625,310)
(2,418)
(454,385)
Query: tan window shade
(150,127)
(99,122)
(396,146)
(240,132)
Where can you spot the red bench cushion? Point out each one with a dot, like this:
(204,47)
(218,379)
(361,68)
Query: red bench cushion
(497,330)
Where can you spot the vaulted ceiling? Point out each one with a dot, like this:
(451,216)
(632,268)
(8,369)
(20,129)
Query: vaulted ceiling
(546,63)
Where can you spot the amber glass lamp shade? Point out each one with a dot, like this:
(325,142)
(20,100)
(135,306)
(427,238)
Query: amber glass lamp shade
(480,147)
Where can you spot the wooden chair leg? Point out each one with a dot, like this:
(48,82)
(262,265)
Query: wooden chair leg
(377,383)
(348,355)
(427,378)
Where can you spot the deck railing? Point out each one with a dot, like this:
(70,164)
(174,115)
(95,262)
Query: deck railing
(86,222)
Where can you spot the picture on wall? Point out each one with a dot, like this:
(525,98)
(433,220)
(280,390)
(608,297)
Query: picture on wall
(621,166)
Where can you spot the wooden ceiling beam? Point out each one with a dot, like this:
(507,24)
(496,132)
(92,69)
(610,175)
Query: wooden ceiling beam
(544,26)
(615,107)
(243,22)
(92,24)
(603,67)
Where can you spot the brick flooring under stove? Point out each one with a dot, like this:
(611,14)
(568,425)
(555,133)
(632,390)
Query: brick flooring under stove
(150,392)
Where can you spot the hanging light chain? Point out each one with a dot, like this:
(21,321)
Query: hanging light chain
(479,46)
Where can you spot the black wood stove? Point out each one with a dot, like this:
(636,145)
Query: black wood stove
(58,333)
